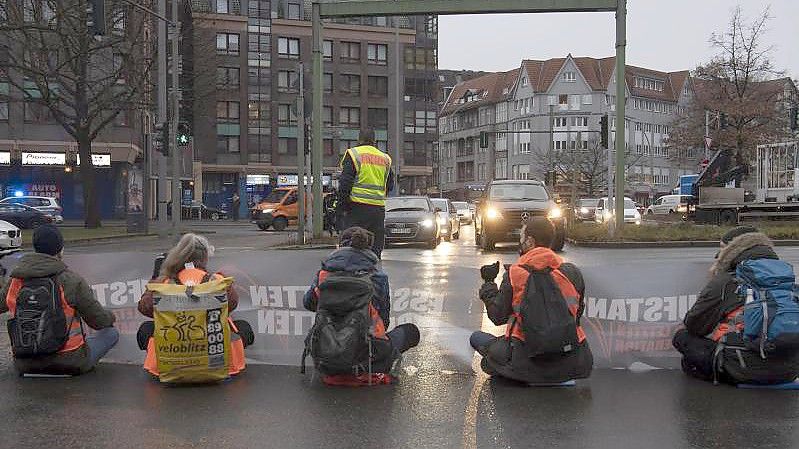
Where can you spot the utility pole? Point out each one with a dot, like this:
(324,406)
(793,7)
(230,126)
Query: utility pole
(301,159)
(621,46)
(177,200)
(398,120)
(162,118)
(316,122)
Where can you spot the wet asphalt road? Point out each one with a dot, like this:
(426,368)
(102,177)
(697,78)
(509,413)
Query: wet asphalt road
(441,400)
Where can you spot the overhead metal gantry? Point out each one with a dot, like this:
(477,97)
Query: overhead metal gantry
(363,8)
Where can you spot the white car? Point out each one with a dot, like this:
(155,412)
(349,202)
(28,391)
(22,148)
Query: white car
(465,213)
(10,236)
(670,204)
(605,210)
(48,206)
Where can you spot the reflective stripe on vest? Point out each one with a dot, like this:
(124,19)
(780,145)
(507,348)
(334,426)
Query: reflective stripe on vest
(75,338)
(372,170)
(518,279)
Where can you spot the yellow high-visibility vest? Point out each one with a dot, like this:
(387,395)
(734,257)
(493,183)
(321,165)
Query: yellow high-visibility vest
(372,167)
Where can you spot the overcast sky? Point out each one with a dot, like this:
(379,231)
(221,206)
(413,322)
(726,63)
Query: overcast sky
(663,35)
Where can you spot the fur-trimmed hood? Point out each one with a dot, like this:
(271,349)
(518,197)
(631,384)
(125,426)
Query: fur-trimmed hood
(753,245)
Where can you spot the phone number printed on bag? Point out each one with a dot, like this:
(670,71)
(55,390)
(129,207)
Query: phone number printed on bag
(216,339)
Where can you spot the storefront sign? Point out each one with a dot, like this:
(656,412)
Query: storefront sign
(99,160)
(43,158)
(257,180)
(291,180)
(5,158)
(50,190)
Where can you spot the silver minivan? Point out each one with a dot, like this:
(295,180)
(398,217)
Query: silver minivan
(670,204)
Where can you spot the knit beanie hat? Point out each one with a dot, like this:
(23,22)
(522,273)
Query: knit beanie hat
(738,231)
(47,239)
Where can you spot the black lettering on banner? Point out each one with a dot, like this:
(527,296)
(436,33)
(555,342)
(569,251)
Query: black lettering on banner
(216,339)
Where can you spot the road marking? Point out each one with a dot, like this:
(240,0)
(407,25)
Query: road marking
(472,407)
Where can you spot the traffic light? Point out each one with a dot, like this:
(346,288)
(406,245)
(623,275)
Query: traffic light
(161,138)
(183,134)
(95,17)
(483,139)
(603,131)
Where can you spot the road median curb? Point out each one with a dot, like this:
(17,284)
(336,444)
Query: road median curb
(664,244)
(284,247)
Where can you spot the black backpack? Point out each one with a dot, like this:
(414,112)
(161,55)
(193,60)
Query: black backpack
(339,341)
(39,326)
(549,328)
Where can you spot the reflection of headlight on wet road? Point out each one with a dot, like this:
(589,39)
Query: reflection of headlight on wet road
(493,214)
(427,223)
(555,212)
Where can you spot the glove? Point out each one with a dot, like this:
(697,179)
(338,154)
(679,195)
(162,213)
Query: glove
(489,272)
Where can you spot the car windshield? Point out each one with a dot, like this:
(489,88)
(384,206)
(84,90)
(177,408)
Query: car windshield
(407,204)
(442,204)
(460,205)
(588,203)
(274,197)
(518,192)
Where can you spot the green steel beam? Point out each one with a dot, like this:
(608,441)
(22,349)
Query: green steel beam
(355,8)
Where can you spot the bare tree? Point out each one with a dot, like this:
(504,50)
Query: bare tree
(51,58)
(741,92)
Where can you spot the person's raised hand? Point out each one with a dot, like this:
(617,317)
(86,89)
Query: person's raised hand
(490,272)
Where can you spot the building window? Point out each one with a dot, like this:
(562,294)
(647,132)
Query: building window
(378,118)
(259,9)
(351,51)
(524,81)
(350,117)
(286,115)
(227,144)
(569,77)
(378,54)
(258,43)
(560,122)
(563,100)
(222,6)
(378,86)
(258,76)
(524,171)
(227,43)
(501,169)
(579,121)
(327,115)
(258,113)
(350,84)
(327,50)
(36,112)
(227,77)
(287,145)
(288,47)
(327,82)
(227,111)
(294,11)
(588,99)
(287,81)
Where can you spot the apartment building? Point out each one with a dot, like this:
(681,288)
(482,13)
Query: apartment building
(246,127)
(553,112)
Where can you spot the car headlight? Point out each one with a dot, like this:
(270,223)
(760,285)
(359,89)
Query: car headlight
(493,213)
(583,210)
(427,223)
(267,211)
(555,212)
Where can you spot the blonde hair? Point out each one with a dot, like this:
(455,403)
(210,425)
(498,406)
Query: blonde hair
(191,248)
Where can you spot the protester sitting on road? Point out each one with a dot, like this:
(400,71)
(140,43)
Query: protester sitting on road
(351,284)
(713,344)
(541,300)
(48,337)
(187,264)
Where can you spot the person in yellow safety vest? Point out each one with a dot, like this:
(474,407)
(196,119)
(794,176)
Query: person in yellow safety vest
(366,178)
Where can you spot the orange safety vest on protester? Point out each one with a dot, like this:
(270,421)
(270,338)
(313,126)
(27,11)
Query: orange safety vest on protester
(194,276)
(75,337)
(733,323)
(377,328)
(538,259)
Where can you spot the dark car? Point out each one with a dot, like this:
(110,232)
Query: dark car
(22,216)
(505,206)
(585,209)
(411,219)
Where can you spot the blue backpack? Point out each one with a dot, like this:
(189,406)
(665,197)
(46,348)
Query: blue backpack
(771,310)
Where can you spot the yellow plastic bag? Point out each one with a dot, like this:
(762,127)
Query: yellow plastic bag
(192,338)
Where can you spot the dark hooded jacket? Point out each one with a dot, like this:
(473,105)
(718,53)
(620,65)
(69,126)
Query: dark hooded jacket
(719,298)
(78,294)
(353,260)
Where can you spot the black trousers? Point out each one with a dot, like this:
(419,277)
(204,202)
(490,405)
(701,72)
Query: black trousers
(371,218)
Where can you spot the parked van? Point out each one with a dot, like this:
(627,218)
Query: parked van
(670,204)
